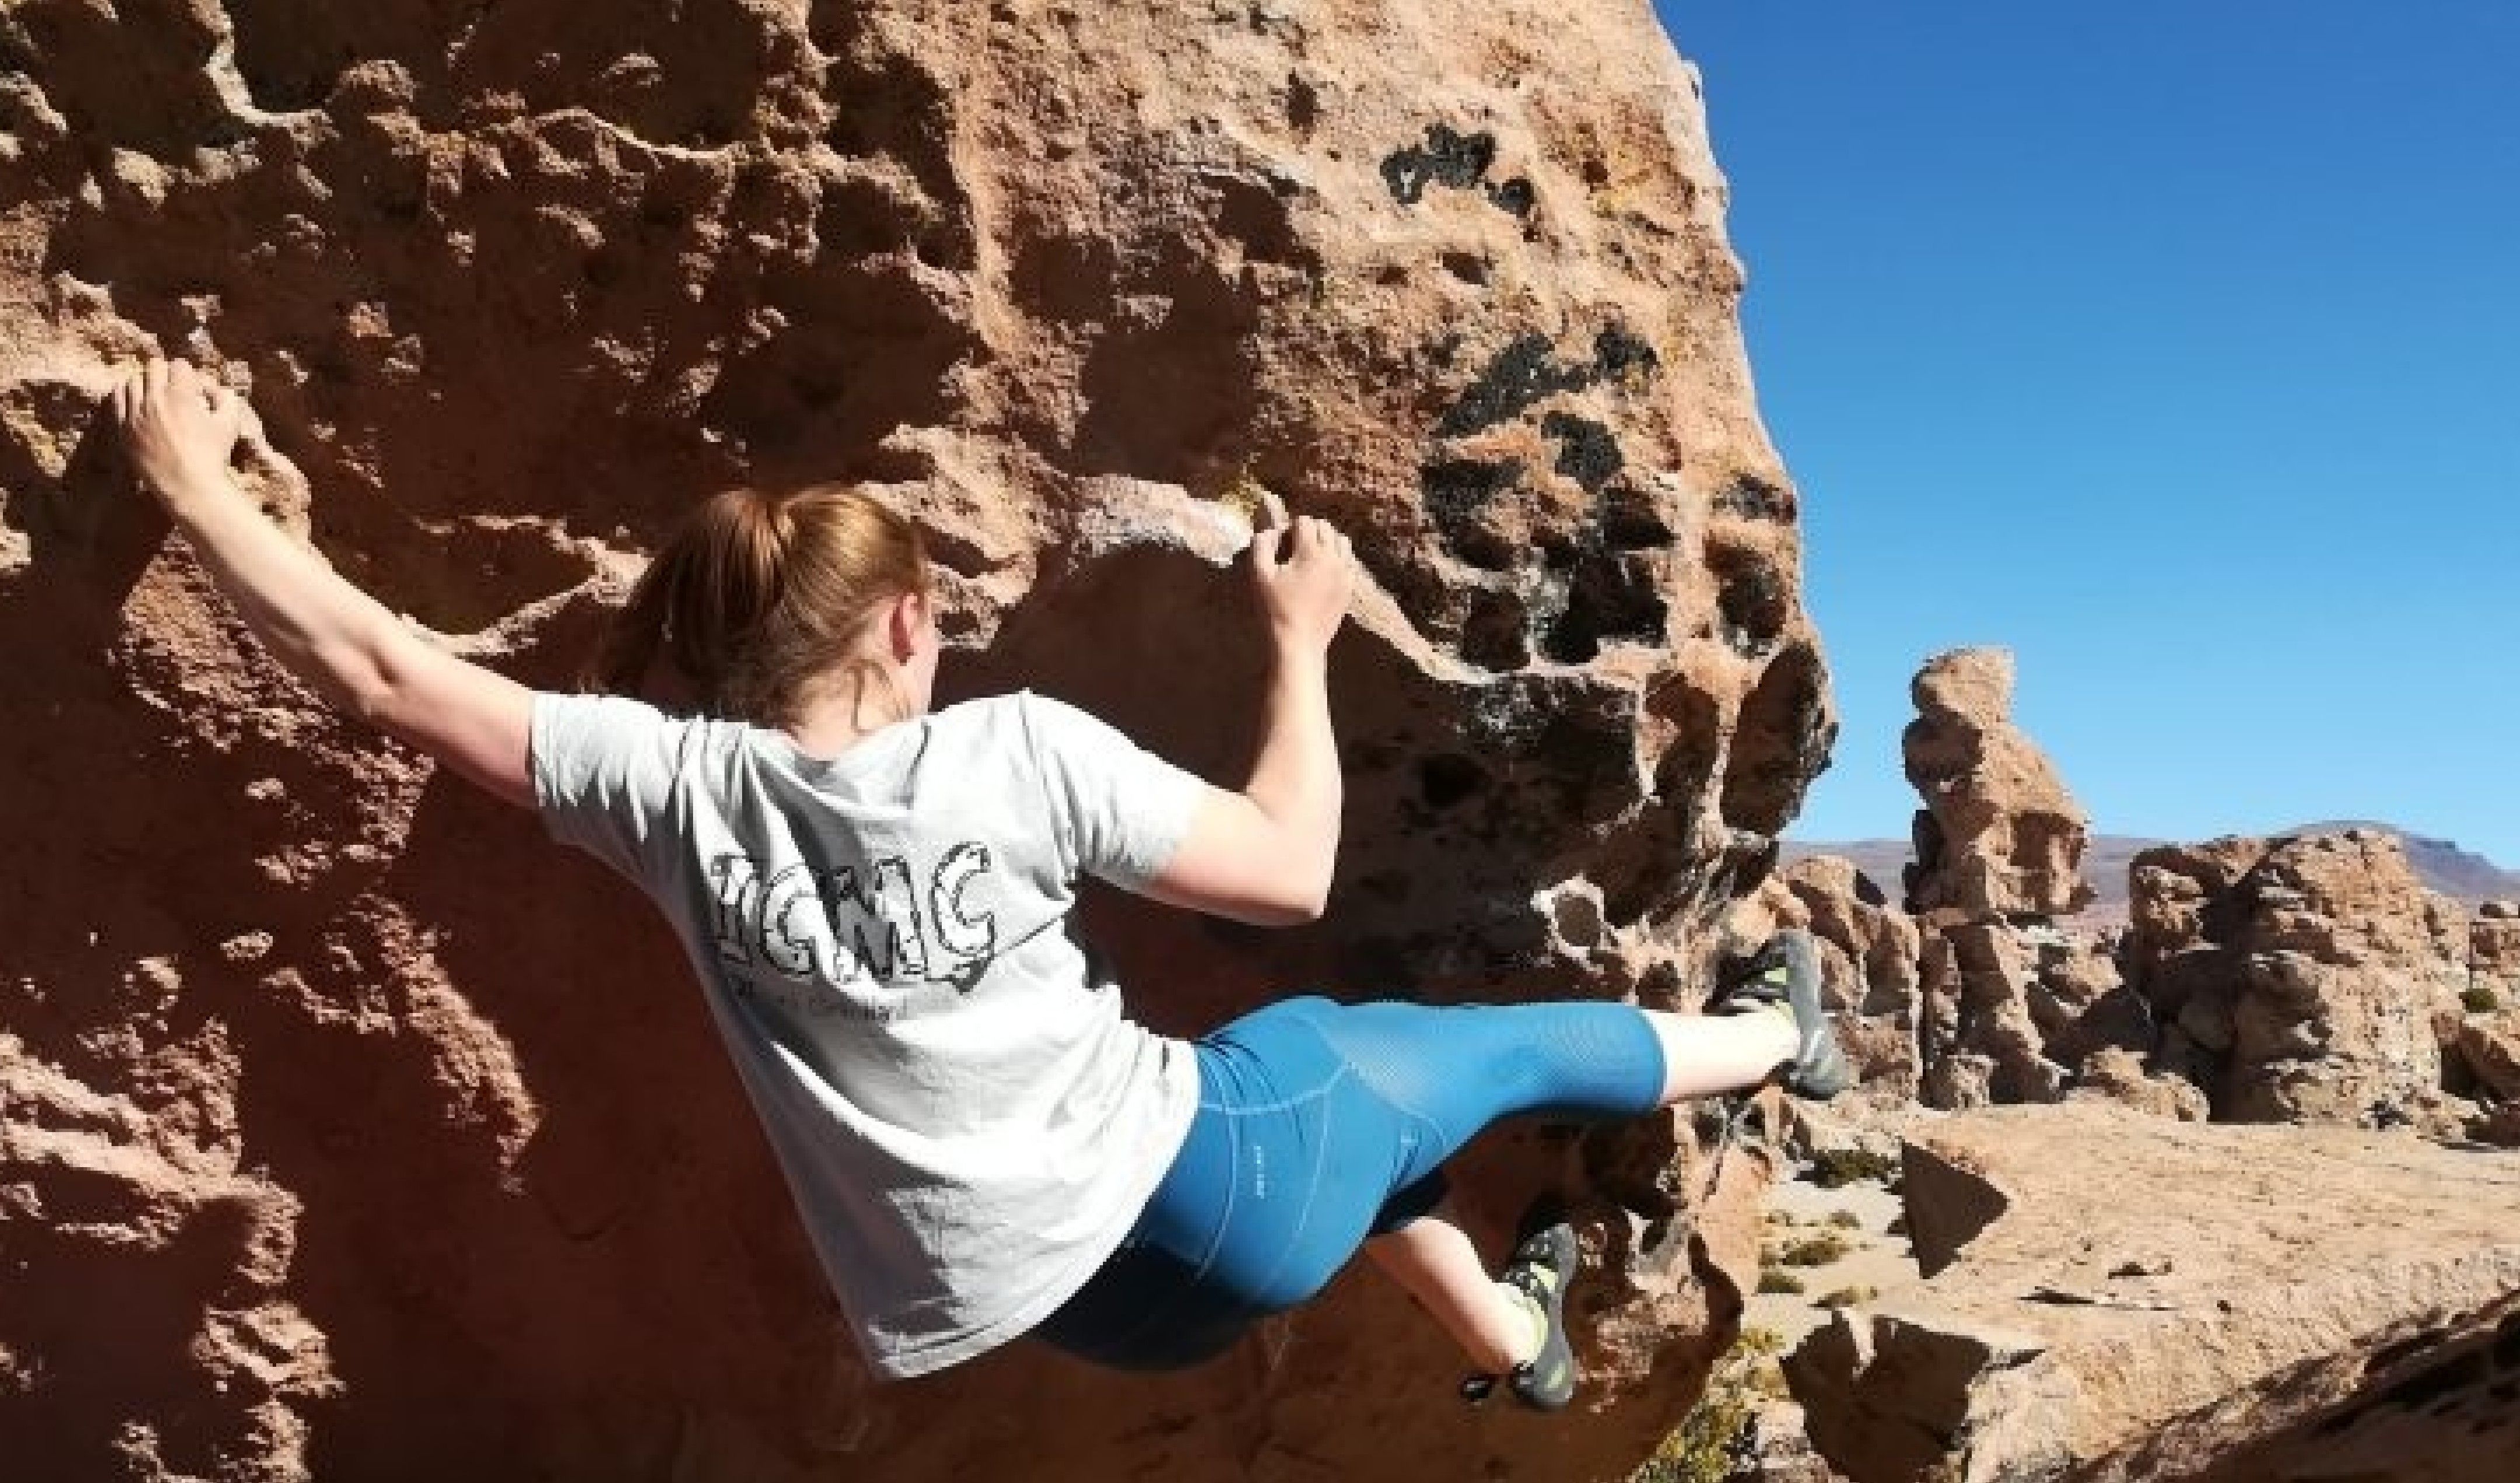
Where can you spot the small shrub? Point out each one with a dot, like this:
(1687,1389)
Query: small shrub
(1846,1220)
(1816,1250)
(1848,1297)
(1834,1168)
(2479,999)
(1721,1436)
(1779,1280)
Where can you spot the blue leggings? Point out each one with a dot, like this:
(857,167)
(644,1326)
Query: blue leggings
(1321,1124)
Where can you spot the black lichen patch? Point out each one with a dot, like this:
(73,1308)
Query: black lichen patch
(1458,492)
(1445,159)
(1446,778)
(1630,521)
(1513,196)
(1616,352)
(1496,634)
(1751,602)
(1587,453)
(1609,599)
(1753,498)
(1522,374)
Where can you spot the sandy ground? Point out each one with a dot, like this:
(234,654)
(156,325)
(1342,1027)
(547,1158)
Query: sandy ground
(1876,1258)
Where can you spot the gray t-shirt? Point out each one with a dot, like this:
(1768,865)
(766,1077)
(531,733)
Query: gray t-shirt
(968,1123)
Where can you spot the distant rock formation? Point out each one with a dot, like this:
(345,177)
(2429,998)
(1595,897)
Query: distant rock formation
(2302,980)
(1869,951)
(1999,835)
(2114,1298)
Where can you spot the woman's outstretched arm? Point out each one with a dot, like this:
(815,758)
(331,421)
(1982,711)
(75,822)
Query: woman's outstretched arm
(1265,854)
(181,430)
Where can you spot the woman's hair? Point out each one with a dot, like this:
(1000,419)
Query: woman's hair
(760,598)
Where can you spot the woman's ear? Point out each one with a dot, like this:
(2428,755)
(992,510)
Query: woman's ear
(906,625)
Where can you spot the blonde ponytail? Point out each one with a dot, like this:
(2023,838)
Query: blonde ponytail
(759,597)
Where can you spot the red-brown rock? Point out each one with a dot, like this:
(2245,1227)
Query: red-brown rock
(352,1131)
(2311,979)
(1999,833)
(2110,1297)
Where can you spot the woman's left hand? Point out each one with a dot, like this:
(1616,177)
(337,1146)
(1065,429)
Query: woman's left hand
(181,428)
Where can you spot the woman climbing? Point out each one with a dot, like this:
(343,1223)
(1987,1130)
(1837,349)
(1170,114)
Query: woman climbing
(876,898)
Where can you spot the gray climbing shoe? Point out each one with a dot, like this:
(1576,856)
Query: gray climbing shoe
(1543,1263)
(1783,978)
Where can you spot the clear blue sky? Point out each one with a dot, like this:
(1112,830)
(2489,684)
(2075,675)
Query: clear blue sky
(2174,345)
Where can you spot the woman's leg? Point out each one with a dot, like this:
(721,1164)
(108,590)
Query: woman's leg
(1774,1022)
(1431,1257)
(1708,1055)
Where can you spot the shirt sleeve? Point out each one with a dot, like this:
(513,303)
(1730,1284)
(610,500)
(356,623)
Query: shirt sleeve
(1117,810)
(604,772)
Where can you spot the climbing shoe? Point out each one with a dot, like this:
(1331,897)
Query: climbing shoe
(1542,1264)
(1782,978)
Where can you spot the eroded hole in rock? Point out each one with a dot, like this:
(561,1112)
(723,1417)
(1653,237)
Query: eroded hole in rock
(1171,391)
(1468,267)
(1752,601)
(865,215)
(1630,521)
(888,108)
(1694,739)
(123,77)
(1642,870)
(1250,212)
(1781,742)
(560,54)
(289,51)
(865,350)
(1446,778)
(1495,633)
(1459,492)
(1303,104)
(1611,597)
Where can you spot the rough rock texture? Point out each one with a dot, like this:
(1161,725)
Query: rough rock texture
(1869,956)
(2301,980)
(347,1128)
(1999,833)
(2113,1298)
(2494,951)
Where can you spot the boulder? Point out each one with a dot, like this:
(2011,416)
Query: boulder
(2494,953)
(1868,958)
(1999,833)
(2308,979)
(353,1129)
(2112,1298)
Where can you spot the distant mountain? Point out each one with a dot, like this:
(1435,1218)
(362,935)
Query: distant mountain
(2441,864)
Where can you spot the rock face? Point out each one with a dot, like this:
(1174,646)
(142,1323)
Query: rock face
(2112,1298)
(1869,956)
(347,1128)
(2300,980)
(2494,951)
(1999,835)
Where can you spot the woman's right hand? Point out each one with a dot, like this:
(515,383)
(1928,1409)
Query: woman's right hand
(181,427)
(1304,572)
